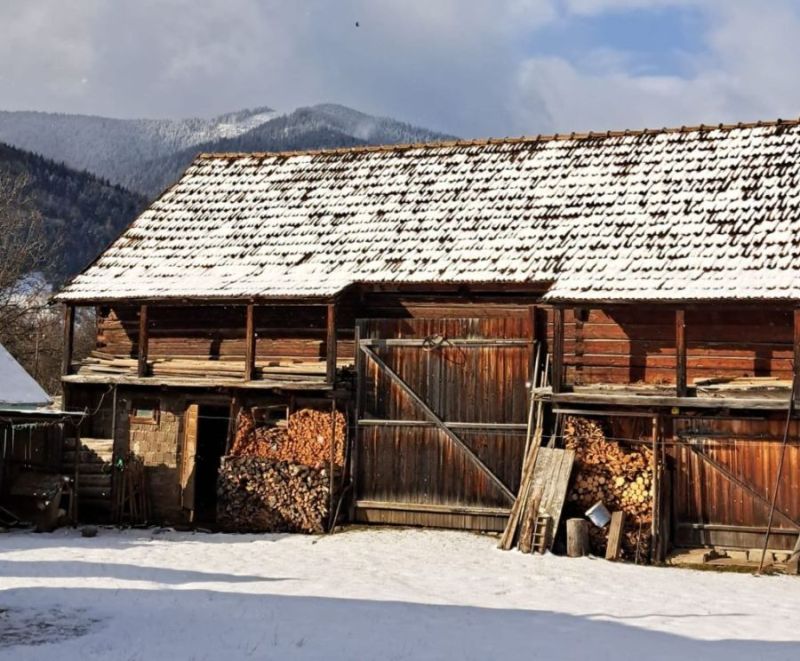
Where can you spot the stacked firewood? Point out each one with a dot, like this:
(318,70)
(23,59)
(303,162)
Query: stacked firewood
(617,474)
(277,478)
(261,495)
(307,439)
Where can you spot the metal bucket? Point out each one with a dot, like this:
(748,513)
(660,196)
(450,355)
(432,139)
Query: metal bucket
(598,514)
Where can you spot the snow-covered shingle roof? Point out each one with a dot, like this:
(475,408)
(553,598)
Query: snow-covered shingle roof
(700,213)
(18,389)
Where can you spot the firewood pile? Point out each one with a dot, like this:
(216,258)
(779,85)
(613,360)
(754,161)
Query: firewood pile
(307,439)
(277,478)
(619,475)
(261,495)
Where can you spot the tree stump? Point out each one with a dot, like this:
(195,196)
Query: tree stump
(577,538)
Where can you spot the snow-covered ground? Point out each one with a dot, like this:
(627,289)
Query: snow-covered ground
(370,594)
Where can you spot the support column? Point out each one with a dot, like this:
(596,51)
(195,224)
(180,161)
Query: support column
(558,350)
(330,344)
(69,339)
(250,344)
(144,341)
(796,365)
(680,353)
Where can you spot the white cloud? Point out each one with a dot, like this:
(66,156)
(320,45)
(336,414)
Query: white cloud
(746,74)
(455,65)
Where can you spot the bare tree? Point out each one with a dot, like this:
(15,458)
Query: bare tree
(29,329)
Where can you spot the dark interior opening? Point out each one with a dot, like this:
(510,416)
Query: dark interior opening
(212,434)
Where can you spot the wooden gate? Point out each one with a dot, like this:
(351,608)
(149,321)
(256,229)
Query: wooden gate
(441,420)
(724,478)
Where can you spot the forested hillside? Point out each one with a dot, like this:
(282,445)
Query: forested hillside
(81,212)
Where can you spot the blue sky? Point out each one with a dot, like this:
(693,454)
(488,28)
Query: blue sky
(467,67)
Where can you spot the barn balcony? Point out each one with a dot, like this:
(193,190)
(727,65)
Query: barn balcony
(714,357)
(209,347)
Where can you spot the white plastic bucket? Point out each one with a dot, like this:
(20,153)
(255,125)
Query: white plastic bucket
(598,514)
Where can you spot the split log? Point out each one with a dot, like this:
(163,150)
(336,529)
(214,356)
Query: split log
(618,474)
(306,440)
(256,494)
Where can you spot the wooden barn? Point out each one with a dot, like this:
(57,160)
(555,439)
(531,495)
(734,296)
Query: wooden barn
(647,281)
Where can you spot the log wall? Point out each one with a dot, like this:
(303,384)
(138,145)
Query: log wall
(636,344)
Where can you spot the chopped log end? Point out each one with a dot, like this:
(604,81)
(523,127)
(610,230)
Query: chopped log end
(307,439)
(256,494)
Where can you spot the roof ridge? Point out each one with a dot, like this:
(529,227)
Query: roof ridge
(479,142)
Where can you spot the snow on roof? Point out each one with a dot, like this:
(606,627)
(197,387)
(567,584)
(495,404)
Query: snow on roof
(693,213)
(17,387)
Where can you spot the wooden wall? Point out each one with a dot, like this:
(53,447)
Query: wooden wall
(218,332)
(636,344)
(711,507)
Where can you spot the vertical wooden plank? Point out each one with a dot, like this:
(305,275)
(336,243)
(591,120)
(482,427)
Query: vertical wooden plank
(796,366)
(558,349)
(144,339)
(250,344)
(615,533)
(656,524)
(69,339)
(680,353)
(188,454)
(331,344)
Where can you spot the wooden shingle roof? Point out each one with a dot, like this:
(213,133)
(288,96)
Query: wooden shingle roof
(672,214)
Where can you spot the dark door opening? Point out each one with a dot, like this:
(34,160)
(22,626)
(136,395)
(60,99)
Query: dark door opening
(212,436)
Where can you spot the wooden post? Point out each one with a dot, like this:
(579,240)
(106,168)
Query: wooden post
(558,349)
(577,538)
(250,344)
(330,345)
(796,391)
(69,339)
(144,339)
(680,352)
(532,359)
(655,529)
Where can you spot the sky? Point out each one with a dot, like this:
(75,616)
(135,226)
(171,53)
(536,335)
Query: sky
(465,67)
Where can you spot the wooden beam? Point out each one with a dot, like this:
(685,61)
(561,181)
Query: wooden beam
(680,353)
(471,456)
(250,344)
(69,339)
(330,344)
(558,350)
(144,340)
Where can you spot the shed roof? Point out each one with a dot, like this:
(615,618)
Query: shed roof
(18,389)
(670,214)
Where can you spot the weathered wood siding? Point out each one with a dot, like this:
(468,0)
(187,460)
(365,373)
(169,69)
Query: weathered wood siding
(399,467)
(636,344)
(218,332)
(713,508)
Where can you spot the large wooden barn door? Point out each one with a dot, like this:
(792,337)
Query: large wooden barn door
(442,419)
(724,477)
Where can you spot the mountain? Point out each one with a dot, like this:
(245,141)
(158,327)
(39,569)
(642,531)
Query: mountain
(115,149)
(80,211)
(148,155)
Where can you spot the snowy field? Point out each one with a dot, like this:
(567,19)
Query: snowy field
(375,594)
